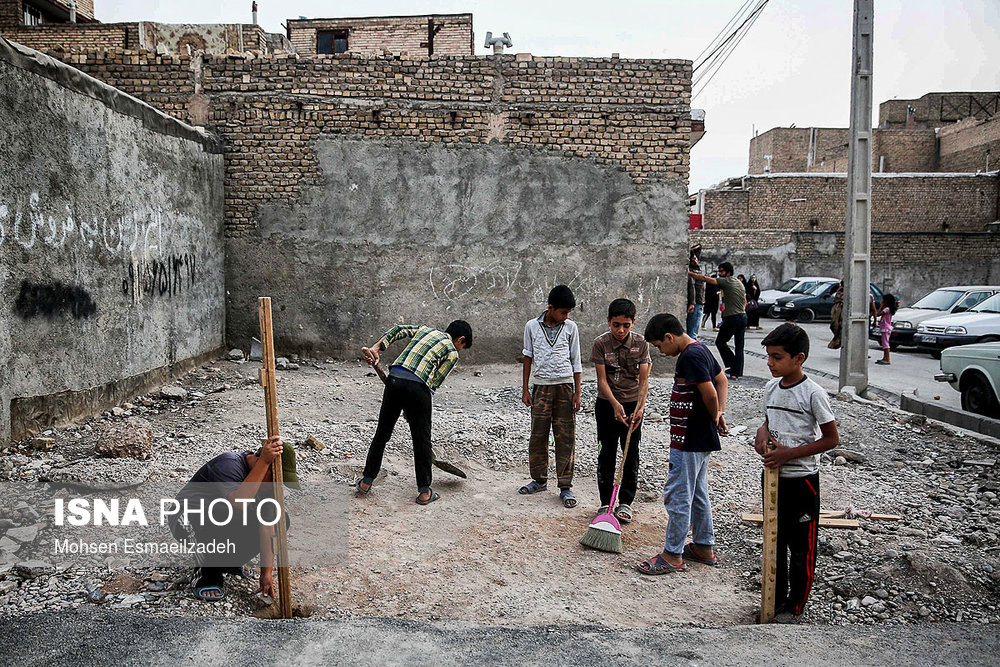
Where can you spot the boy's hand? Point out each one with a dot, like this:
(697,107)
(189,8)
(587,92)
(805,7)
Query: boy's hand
(636,417)
(721,424)
(526,397)
(690,309)
(370,355)
(620,412)
(760,440)
(266,586)
(272,449)
(577,400)
(778,456)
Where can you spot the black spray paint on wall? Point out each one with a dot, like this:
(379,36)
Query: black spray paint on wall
(53,299)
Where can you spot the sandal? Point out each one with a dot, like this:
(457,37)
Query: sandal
(624,513)
(659,565)
(689,554)
(567,498)
(200,593)
(245,572)
(434,496)
(363,480)
(883,362)
(532,487)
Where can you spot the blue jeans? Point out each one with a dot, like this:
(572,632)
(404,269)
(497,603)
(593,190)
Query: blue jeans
(694,321)
(685,496)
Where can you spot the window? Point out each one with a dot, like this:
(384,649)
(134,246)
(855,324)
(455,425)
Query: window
(973,299)
(32,16)
(331,41)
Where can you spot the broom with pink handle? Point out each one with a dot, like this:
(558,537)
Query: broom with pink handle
(605,533)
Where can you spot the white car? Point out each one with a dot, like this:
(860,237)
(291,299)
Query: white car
(790,287)
(980,324)
(974,370)
(940,302)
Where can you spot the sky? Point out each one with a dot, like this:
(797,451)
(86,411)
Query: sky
(793,67)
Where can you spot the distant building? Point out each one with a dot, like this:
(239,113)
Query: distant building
(42,12)
(426,35)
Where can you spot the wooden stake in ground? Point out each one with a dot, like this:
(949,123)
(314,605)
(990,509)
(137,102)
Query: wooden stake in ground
(279,544)
(769,556)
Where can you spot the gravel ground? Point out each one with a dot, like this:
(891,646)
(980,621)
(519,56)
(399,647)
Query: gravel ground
(484,554)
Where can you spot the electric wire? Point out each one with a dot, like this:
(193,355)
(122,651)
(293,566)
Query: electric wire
(722,53)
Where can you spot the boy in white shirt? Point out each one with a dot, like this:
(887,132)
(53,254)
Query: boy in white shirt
(552,359)
(798,427)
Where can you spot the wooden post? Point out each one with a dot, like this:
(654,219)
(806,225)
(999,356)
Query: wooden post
(268,380)
(769,555)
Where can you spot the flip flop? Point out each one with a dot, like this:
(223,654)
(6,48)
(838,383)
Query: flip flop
(532,487)
(434,496)
(689,554)
(245,572)
(658,565)
(567,498)
(200,593)
(624,513)
(357,485)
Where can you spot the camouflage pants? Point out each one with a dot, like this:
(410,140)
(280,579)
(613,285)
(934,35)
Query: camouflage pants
(552,408)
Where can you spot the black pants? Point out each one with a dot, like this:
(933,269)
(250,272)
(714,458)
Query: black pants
(733,326)
(753,317)
(711,310)
(798,520)
(611,435)
(415,398)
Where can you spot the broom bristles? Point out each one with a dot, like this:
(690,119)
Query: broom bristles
(602,539)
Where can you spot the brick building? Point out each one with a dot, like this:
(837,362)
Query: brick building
(488,176)
(434,34)
(44,12)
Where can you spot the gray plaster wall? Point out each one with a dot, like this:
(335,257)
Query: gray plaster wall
(405,231)
(111,238)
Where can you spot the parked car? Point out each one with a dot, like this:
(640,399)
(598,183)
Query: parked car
(790,287)
(974,370)
(817,304)
(940,302)
(979,324)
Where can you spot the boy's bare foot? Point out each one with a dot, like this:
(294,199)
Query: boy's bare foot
(703,555)
(676,561)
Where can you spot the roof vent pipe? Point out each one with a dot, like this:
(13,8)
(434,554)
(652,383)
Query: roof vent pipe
(72,11)
(498,42)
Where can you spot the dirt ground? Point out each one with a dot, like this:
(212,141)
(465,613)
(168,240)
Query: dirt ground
(484,554)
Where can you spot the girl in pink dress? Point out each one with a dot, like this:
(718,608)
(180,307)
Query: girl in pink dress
(886,310)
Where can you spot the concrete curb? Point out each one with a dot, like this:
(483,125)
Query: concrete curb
(966,420)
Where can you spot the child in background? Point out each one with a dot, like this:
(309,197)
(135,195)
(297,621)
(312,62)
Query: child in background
(621,359)
(552,358)
(798,426)
(886,310)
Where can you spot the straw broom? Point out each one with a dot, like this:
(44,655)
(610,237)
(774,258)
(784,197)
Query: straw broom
(605,533)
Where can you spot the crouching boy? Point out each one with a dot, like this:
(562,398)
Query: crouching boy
(798,426)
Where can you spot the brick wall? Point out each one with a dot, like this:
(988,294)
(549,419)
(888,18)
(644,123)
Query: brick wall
(971,145)
(937,109)
(631,114)
(397,34)
(899,203)
(74,36)
(11,13)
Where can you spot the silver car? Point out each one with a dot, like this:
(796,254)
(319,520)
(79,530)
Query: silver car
(974,370)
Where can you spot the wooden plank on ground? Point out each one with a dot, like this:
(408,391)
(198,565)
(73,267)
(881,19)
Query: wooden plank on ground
(824,521)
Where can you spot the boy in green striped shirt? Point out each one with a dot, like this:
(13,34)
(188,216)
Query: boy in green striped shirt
(413,378)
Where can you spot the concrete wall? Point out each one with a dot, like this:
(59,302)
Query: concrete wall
(111,243)
(907,264)
(408,231)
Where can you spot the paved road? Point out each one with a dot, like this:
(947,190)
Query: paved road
(92,637)
(909,370)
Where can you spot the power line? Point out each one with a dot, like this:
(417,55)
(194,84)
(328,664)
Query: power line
(722,52)
(732,21)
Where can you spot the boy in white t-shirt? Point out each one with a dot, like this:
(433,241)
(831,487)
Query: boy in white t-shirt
(798,426)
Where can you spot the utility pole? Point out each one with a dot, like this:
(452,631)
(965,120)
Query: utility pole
(857,227)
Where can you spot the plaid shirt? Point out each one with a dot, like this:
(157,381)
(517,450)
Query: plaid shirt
(430,355)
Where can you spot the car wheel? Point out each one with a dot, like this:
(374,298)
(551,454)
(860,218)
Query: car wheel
(936,354)
(806,316)
(978,396)
(772,313)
